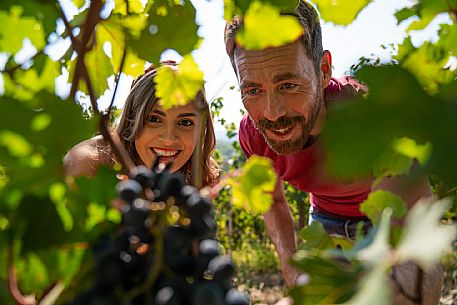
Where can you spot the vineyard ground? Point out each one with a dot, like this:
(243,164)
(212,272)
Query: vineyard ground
(266,288)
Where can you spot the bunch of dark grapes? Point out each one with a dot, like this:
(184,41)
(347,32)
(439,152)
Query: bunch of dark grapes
(164,252)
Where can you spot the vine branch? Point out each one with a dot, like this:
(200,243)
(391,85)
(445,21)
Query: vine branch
(12,281)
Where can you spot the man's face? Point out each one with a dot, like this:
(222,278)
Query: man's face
(282,94)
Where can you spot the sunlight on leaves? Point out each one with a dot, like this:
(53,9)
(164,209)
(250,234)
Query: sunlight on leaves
(178,86)
(412,149)
(378,251)
(40,122)
(57,193)
(16,28)
(378,201)
(264,27)
(340,12)
(251,189)
(424,238)
(4,223)
(134,6)
(16,144)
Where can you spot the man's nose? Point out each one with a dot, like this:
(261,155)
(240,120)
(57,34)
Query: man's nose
(274,107)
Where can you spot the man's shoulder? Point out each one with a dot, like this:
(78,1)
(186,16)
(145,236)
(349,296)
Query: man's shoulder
(345,87)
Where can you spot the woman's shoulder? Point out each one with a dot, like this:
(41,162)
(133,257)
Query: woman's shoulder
(86,157)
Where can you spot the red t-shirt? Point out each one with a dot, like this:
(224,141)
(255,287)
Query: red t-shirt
(305,170)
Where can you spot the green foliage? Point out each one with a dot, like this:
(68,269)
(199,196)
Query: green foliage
(277,30)
(424,238)
(168,26)
(252,187)
(378,201)
(340,12)
(178,87)
(316,239)
(386,113)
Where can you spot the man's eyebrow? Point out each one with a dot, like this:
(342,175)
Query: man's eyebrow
(181,115)
(282,77)
(249,84)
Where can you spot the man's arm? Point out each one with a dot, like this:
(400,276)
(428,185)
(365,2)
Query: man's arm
(280,227)
(86,157)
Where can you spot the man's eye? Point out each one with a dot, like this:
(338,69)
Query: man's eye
(153,119)
(186,122)
(253,91)
(288,86)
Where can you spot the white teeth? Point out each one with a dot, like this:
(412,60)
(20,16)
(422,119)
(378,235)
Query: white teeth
(282,130)
(165,153)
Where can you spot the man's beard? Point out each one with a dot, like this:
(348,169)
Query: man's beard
(291,146)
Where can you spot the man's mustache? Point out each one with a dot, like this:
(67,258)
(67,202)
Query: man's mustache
(281,123)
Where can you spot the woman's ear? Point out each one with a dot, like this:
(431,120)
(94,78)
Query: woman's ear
(326,68)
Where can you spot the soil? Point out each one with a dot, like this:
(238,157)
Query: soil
(268,288)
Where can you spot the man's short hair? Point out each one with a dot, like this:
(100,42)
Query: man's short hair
(308,18)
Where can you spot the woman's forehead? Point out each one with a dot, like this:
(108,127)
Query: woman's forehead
(188,108)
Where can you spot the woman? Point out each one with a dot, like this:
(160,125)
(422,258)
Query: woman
(147,131)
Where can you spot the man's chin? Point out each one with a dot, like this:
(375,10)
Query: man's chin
(286,147)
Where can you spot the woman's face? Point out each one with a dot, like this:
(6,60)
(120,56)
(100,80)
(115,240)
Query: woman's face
(171,134)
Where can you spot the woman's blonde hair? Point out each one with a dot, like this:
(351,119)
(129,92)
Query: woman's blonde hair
(139,104)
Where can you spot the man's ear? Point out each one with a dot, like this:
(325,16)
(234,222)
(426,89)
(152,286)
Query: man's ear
(326,68)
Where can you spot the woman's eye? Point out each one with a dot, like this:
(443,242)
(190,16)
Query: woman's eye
(186,122)
(153,119)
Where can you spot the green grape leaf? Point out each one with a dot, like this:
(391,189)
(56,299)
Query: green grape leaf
(378,201)
(330,282)
(378,251)
(133,6)
(175,30)
(424,238)
(113,32)
(374,289)
(242,6)
(63,127)
(45,12)
(16,28)
(427,10)
(27,83)
(315,239)
(369,126)
(340,12)
(405,13)
(265,27)
(448,38)
(177,87)
(427,63)
(252,188)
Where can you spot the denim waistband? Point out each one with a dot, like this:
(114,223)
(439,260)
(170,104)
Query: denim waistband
(340,226)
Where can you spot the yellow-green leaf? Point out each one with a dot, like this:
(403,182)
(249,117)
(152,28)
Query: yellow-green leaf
(177,87)
(134,6)
(264,27)
(424,238)
(410,148)
(252,188)
(16,28)
(378,201)
(341,12)
(16,144)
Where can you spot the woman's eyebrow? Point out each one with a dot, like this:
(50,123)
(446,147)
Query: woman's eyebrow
(159,112)
(181,115)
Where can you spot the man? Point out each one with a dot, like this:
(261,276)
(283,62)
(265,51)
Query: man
(286,91)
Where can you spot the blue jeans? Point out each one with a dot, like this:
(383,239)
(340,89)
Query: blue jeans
(340,226)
